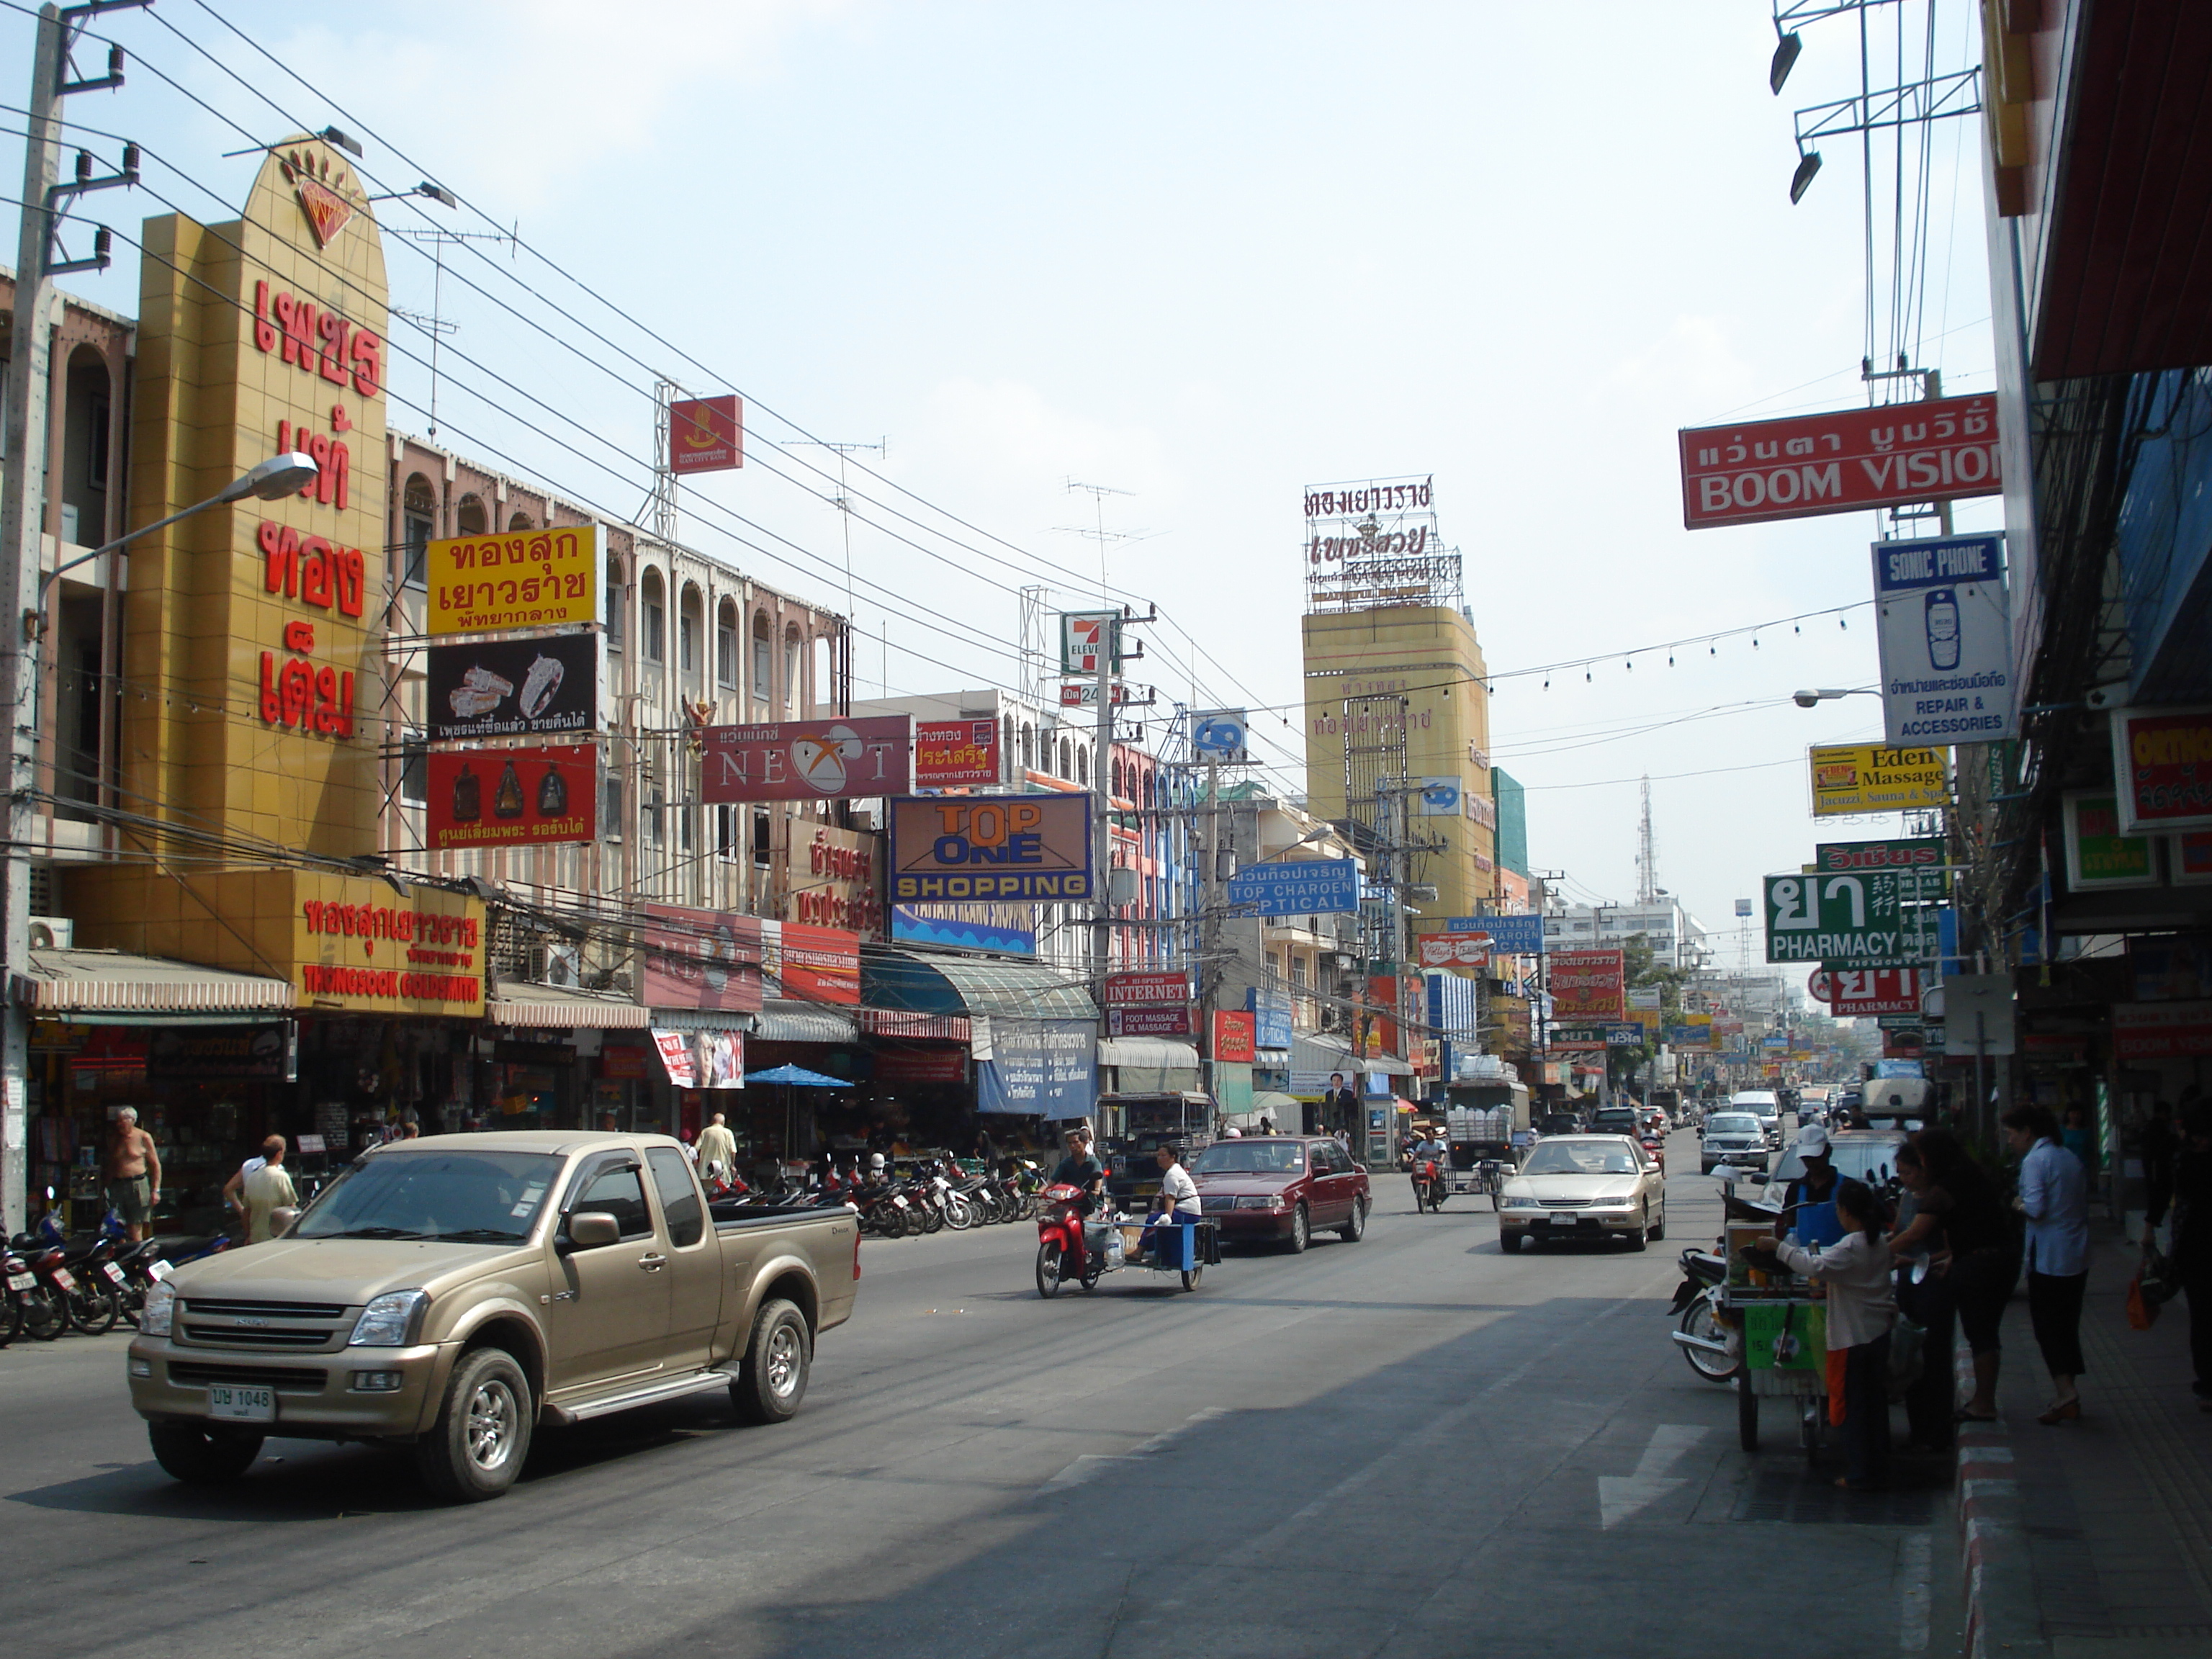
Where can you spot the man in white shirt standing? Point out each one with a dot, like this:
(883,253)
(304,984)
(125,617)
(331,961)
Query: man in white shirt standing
(718,1149)
(2054,1195)
(267,1190)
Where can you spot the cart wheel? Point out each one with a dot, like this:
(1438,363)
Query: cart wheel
(1048,1279)
(1192,1274)
(1747,1413)
(1808,1425)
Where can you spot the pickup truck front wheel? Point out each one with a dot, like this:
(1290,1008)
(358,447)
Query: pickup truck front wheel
(772,1377)
(203,1457)
(475,1449)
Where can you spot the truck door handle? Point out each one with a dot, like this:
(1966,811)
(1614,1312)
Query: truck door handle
(653,1263)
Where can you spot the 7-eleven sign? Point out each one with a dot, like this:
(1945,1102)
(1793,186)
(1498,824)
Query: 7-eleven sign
(1086,636)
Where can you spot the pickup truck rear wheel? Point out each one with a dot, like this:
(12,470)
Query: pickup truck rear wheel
(475,1449)
(772,1377)
(201,1456)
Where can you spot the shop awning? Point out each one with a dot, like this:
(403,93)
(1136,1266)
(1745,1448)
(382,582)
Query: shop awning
(91,982)
(1389,1065)
(916,983)
(563,1008)
(925,1028)
(1156,1054)
(785,1021)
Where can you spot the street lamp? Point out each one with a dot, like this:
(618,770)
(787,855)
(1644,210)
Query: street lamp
(1811,696)
(277,477)
(269,481)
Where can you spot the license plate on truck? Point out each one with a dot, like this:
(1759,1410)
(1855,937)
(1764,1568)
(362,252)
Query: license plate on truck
(237,1405)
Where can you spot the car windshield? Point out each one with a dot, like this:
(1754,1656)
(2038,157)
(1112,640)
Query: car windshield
(1251,1157)
(459,1198)
(1731,1123)
(1871,1161)
(1580,1158)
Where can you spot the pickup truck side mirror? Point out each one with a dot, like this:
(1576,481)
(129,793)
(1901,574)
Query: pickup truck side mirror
(592,1230)
(282,1220)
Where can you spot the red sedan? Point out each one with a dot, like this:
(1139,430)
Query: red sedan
(1282,1189)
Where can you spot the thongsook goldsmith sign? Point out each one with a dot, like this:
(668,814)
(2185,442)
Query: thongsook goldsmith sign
(1848,460)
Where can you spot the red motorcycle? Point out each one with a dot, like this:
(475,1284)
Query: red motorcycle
(1060,1255)
(1429,1188)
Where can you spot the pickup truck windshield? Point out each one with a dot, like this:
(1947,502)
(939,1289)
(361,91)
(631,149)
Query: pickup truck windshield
(455,1198)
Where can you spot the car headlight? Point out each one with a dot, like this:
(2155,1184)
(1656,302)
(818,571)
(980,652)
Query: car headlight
(1524,1204)
(1255,1201)
(160,1309)
(390,1321)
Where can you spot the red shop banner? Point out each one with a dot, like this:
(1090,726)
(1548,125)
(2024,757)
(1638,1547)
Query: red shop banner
(1153,990)
(933,1064)
(2162,763)
(1586,985)
(1844,461)
(815,964)
(1236,1035)
(706,435)
(1149,1022)
(1860,993)
(701,959)
(955,751)
(512,797)
(807,760)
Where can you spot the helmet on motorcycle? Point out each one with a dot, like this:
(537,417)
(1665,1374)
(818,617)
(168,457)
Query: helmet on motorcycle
(875,1160)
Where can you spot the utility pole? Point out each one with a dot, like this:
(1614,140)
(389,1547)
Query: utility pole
(22,526)
(1102,770)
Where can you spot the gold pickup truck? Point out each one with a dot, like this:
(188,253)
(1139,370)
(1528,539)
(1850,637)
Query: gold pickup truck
(451,1293)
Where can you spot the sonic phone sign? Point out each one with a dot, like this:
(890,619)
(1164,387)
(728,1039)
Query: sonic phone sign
(1945,630)
(806,760)
(1220,735)
(706,435)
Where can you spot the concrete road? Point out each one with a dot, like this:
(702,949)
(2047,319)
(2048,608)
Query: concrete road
(1411,1445)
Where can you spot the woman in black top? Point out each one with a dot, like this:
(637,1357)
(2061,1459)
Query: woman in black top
(2192,1241)
(1924,1297)
(1983,1259)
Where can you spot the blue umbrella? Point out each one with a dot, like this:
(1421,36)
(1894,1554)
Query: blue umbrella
(798,1075)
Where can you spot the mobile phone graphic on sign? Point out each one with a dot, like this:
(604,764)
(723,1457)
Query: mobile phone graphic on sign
(1942,619)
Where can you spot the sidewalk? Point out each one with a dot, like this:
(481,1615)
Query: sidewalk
(2091,1540)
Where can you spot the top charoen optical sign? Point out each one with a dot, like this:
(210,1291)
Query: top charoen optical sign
(1849,460)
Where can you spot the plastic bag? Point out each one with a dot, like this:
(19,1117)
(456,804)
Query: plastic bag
(2142,1312)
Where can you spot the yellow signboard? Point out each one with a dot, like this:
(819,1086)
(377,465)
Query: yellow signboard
(1854,778)
(525,579)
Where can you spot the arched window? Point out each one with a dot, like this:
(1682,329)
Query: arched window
(725,646)
(521,521)
(1120,779)
(1005,741)
(418,523)
(690,639)
(791,676)
(469,518)
(1083,766)
(1029,747)
(1067,759)
(763,659)
(615,609)
(653,597)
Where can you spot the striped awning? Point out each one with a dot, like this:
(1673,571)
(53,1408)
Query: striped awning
(928,1028)
(781,1020)
(563,1008)
(95,981)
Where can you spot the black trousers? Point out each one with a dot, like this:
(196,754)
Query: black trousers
(1929,1401)
(1866,1413)
(2197,1286)
(2054,1309)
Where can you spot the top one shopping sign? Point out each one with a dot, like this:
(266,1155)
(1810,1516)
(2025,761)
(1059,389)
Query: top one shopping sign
(1849,461)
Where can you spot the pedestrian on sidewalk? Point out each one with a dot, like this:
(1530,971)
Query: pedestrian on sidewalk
(2054,1196)
(1981,1267)
(267,1190)
(1861,1308)
(1924,1296)
(134,1173)
(2193,1242)
(2159,1144)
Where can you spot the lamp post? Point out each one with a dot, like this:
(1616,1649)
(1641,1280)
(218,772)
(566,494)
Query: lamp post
(271,480)
(1814,697)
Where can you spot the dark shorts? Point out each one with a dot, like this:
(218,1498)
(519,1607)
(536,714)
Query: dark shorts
(1981,1285)
(130,1197)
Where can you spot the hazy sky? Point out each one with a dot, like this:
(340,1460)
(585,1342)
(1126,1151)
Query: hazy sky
(1204,253)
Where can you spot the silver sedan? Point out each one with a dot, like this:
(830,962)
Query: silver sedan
(1584,1187)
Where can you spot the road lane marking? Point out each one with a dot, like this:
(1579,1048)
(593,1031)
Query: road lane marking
(1091,1465)
(1620,1496)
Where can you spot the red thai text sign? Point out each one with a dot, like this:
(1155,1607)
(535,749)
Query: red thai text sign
(1236,1035)
(512,797)
(1586,985)
(955,751)
(1860,993)
(706,435)
(1848,460)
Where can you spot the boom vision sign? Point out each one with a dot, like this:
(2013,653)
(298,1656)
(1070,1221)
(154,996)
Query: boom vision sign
(990,849)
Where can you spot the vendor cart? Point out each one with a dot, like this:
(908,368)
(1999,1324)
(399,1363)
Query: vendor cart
(1074,1248)
(1785,1355)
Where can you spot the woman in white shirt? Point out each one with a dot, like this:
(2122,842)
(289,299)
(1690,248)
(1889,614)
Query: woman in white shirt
(1861,1307)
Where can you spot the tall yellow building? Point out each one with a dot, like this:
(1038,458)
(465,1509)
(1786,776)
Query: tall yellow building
(1393,665)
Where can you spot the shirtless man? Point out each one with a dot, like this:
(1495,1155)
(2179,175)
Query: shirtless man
(134,1173)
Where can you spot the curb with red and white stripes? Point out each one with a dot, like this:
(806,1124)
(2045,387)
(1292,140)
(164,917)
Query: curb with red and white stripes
(2002,1615)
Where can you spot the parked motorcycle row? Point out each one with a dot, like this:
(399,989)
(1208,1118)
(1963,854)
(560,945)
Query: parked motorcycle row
(938,1196)
(52,1283)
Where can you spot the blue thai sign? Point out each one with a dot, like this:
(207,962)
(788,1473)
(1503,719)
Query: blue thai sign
(1271,1022)
(910,924)
(1509,936)
(1299,887)
(1042,1067)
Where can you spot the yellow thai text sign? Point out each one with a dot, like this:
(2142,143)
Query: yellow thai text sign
(1869,778)
(524,579)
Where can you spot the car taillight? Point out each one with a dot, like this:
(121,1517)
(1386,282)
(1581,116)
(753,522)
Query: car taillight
(856,1255)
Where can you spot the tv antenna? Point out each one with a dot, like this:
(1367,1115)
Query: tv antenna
(436,324)
(1099,532)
